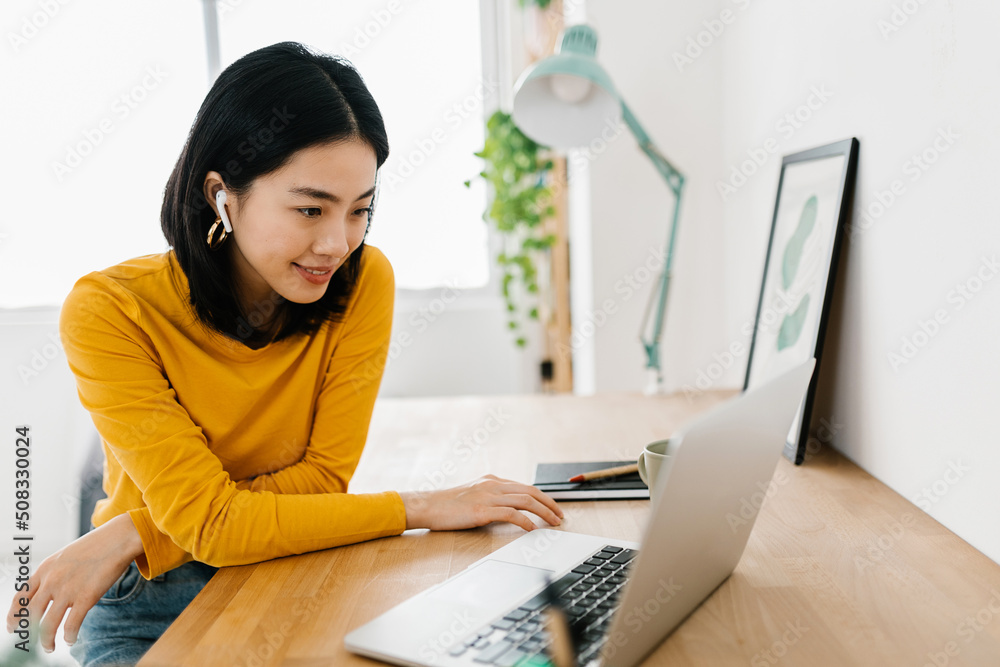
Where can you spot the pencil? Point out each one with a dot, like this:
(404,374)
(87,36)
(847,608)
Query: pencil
(561,649)
(607,472)
(564,638)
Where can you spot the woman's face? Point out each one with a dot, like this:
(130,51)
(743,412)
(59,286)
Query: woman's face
(299,224)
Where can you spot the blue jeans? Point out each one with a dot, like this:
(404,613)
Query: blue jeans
(134,612)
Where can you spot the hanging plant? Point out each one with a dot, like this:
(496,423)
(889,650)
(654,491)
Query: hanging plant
(541,4)
(521,202)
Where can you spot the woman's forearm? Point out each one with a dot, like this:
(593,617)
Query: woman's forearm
(122,531)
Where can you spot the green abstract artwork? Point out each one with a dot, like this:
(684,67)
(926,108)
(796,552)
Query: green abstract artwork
(791,326)
(793,250)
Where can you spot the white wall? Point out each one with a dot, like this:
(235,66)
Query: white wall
(630,205)
(924,423)
(906,77)
(39,392)
(449,343)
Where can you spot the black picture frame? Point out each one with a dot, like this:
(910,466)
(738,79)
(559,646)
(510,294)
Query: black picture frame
(829,172)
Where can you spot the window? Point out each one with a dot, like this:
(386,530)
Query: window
(101,97)
(104,94)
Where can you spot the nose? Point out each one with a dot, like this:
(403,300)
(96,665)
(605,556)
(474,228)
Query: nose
(331,240)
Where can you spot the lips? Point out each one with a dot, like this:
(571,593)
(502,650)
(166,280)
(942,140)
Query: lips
(315,275)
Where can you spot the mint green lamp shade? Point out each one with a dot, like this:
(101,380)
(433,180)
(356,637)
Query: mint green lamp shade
(567,99)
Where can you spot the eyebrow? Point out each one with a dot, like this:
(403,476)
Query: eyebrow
(316,193)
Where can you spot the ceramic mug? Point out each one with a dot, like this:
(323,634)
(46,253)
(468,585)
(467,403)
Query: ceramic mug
(654,462)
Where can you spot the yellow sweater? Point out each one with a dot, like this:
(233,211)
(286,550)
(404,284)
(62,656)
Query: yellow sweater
(218,452)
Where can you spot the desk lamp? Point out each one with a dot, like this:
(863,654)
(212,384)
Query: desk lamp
(565,101)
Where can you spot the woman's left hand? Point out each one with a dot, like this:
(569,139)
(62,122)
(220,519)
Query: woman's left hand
(75,577)
(477,503)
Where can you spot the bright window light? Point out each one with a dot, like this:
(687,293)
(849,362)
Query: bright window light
(99,99)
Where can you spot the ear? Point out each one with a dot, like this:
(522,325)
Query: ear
(213,183)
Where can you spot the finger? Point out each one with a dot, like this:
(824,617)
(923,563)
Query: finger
(71,631)
(39,603)
(510,515)
(546,500)
(47,628)
(539,495)
(11,619)
(16,604)
(523,501)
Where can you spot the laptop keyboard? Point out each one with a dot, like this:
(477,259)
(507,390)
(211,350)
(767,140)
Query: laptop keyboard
(588,593)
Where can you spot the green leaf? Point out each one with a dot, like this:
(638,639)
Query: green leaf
(517,176)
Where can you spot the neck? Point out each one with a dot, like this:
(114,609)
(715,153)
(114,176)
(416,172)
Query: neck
(266,317)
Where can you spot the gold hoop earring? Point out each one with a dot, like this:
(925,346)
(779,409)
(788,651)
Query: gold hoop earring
(214,244)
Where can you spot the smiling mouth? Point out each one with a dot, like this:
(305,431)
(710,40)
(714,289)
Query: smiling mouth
(315,272)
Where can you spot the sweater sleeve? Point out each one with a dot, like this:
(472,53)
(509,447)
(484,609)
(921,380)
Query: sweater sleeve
(160,553)
(340,427)
(188,495)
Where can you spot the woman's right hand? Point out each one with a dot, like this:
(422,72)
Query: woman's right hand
(76,577)
(477,503)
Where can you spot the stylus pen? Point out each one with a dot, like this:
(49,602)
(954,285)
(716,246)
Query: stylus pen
(606,472)
(562,649)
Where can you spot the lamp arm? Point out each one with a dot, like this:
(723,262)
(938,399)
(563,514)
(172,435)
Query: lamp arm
(652,346)
(675,181)
(670,174)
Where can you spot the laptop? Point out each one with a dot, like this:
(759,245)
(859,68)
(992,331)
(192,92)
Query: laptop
(622,598)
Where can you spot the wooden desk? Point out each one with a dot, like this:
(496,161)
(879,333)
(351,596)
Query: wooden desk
(839,570)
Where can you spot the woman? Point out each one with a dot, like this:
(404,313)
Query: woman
(232,379)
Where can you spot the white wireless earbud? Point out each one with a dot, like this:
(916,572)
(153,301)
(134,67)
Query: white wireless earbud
(220,203)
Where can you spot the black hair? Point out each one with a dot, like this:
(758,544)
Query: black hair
(261,109)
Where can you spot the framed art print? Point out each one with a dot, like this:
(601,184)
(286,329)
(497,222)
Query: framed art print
(810,215)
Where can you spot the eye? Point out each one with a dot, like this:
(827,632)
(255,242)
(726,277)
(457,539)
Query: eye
(305,211)
(364,211)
